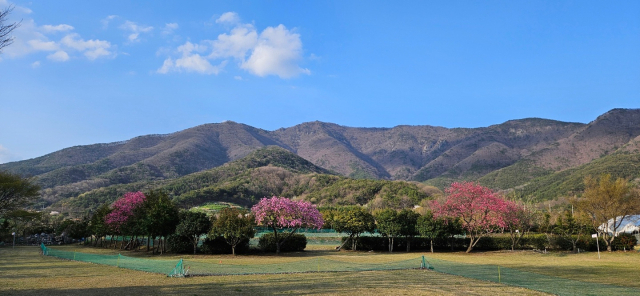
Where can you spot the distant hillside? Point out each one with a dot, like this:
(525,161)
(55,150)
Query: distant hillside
(503,156)
(266,172)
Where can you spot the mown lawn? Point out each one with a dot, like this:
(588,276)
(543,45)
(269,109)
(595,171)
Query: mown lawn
(24,272)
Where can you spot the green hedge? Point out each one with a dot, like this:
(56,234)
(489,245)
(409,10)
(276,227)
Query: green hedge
(218,245)
(179,244)
(295,243)
(488,243)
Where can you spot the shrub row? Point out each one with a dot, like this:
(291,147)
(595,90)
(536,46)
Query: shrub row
(266,243)
(491,243)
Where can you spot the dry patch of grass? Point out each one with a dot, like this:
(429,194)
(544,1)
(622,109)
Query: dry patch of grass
(24,272)
(616,268)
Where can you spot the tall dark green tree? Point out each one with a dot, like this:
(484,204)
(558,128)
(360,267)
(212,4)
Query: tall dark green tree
(571,228)
(431,228)
(97,224)
(353,220)
(389,225)
(159,217)
(193,225)
(234,225)
(408,220)
(16,192)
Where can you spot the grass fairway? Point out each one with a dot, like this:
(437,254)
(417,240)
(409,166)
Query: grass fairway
(24,272)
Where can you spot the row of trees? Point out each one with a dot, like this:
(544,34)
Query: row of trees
(468,208)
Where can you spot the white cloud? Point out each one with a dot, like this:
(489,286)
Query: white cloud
(167,66)
(105,21)
(59,56)
(277,53)
(169,28)
(92,49)
(31,38)
(237,77)
(58,28)
(135,30)
(274,51)
(191,61)
(236,44)
(228,18)
(35,64)
(40,45)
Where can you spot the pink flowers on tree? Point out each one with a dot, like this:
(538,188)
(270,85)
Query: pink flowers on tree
(480,210)
(123,209)
(281,212)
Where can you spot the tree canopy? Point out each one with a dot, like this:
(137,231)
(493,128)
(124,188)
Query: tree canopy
(16,192)
(607,203)
(281,212)
(478,208)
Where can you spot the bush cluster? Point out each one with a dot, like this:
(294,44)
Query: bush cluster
(295,243)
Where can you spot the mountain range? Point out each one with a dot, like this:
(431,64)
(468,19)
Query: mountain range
(521,155)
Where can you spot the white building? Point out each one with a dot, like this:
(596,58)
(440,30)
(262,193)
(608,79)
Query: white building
(630,224)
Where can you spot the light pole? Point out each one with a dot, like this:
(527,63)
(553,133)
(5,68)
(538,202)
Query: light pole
(14,240)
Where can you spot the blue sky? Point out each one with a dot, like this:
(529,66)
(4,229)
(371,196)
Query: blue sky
(84,72)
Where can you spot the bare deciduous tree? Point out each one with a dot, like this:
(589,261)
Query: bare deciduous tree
(5,29)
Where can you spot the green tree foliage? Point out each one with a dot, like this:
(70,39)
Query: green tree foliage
(389,225)
(431,228)
(97,225)
(354,220)
(234,225)
(607,203)
(158,216)
(193,225)
(570,228)
(408,220)
(15,192)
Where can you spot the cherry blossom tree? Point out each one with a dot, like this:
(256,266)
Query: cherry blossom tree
(123,211)
(281,212)
(479,209)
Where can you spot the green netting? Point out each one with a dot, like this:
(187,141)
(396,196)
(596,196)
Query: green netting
(167,267)
(529,280)
(308,265)
(492,273)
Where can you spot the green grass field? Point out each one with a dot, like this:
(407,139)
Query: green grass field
(24,272)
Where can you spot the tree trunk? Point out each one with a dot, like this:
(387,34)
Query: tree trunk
(471,243)
(408,244)
(148,242)
(431,242)
(195,245)
(233,250)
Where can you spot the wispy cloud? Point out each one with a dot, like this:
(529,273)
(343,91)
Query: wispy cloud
(31,38)
(169,28)
(135,30)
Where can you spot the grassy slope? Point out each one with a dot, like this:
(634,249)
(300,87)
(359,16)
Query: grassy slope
(625,165)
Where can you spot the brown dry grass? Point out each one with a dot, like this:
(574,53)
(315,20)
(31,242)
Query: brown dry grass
(24,272)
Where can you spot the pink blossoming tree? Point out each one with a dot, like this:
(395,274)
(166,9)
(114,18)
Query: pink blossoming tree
(281,212)
(123,211)
(479,209)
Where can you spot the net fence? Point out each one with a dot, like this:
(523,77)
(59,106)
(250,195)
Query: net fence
(529,280)
(202,268)
(492,273)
